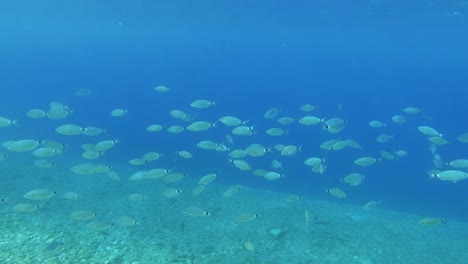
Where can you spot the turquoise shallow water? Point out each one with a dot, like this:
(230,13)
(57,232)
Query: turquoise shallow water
(354,61)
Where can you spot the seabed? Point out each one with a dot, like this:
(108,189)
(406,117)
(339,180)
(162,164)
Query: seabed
(334,232)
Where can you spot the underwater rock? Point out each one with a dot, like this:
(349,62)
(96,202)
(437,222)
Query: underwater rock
(277,232)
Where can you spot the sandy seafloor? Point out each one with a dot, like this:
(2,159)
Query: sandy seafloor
(337,232)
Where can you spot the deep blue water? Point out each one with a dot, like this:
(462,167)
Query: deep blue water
(372,59)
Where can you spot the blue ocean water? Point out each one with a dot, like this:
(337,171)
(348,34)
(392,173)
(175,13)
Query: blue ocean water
(356,60)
